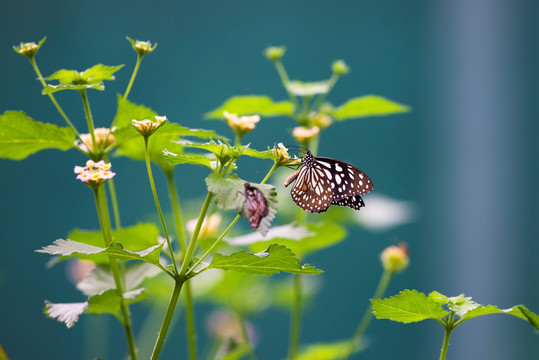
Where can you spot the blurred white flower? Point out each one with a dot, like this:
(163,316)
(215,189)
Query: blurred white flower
(382,213)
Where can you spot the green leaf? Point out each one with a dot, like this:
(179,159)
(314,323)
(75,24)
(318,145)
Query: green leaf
(101,279)
(21,136)
(275,259)
(326,351)
(68,247)
(129,111)
(252,104)
(260,154)
(408,306)
(107,302)
(230,194)
(369,105)
(193,159)
(54,88)
(519,311)
(300,88)
(302,240)
(94,75)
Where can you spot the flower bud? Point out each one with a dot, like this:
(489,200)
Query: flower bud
(209,227)
(148,127)
(320,120)
(274,52)
(305,135)
(395,258)
(103,138)
(339,67)
(142,47)
(29,49)
(241,125)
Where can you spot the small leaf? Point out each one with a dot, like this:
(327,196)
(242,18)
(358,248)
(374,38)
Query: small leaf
(519,311)
(408,306)
(94,75)
(260,154)
(252,104)
(21,136)
(54,88)
(66,313)
(275,259)
(327,351)
(369,105)
(300,88)
(193,159)
(302,240)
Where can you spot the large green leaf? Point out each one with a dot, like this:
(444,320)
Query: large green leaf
(369,105)
(252,104)
(94,75)
(193,159)
(408,306)
(327,351)
(275,259)
(302,240)
(21,136)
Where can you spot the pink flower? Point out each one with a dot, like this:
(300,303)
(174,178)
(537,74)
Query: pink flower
(94,173)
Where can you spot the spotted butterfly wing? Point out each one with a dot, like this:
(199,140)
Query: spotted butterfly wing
(322,182)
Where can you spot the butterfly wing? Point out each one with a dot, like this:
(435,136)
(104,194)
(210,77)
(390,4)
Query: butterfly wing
(355,202)
(346,180)
(312,190)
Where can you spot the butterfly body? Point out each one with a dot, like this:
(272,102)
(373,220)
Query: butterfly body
(322,182)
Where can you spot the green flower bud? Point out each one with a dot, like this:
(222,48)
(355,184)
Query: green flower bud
(395,258)
(274,52)
(142,47)
(339,67)
(29,49)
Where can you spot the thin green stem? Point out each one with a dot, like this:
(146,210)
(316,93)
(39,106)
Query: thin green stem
(295,325)
(89,118)
(285,80)
(116,273)
(178,221)
(320,99)
(448,329)
(367,317)
(245,335)
(114,200)
(51,96)
(167,319)
(157,205)
(237,139)
(196,232)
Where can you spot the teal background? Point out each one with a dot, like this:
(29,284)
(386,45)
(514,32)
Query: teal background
(467,155)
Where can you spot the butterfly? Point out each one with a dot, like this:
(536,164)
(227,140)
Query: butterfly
(256,204)
(321,182)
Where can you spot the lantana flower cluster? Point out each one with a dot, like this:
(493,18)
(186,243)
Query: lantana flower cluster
(94,173)
(148,127)
(241,124)
(103,138)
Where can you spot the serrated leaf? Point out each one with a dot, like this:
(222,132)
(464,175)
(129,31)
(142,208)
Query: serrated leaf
(252,104)
(69,247)
(275,259)
(327,351)
(519,311)
(94,75)
(439,298)
(408,306)
(369,105)
(193,159)
(21,136)
(267,154)
(68,313)
(54,88)
(302,240)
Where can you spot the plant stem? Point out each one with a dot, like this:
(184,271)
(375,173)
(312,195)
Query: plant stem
(448,328)
(127,90)
(320,99)
(51,96)
(194,238)
(285,80)
(295,325)
(189,309)
(167,319)
(157,205)
(367,317)
(103,221)
(89,119)
(245,335)
(113,199)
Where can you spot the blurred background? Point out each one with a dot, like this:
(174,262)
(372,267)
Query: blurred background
(466,157)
